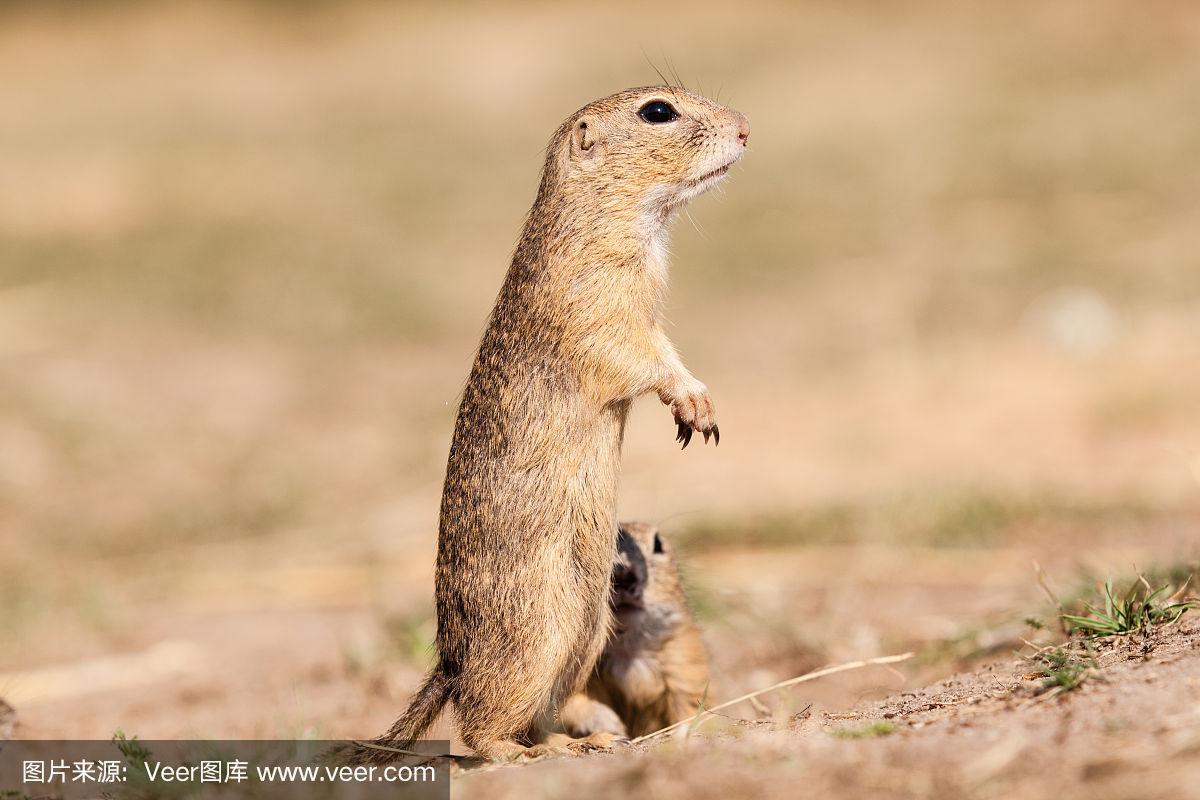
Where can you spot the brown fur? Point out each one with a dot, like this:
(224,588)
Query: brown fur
(528,529)
(654,669)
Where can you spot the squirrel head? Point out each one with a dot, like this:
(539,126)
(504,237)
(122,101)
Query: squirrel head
(646,151)
(644,572)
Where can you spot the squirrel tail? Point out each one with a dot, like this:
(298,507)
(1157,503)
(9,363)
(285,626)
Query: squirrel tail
(426,704)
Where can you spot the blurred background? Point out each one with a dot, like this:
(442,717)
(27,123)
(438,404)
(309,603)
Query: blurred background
(948,307)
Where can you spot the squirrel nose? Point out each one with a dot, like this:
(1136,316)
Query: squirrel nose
(743,129)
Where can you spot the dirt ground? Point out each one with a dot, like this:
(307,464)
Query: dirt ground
(302,651)
(1130,731)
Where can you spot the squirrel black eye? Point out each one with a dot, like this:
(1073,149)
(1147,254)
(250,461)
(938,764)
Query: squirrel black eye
(658,546)
(657,112)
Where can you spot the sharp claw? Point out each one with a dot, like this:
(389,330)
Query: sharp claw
(680,429)
(716,432)
(706,435)
(687,438)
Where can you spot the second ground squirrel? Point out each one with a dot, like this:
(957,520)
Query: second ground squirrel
(654,669)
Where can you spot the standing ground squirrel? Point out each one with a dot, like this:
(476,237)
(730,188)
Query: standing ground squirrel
(528,528)
(654,669)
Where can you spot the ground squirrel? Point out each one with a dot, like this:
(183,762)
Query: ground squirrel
(654,669)
(528,531)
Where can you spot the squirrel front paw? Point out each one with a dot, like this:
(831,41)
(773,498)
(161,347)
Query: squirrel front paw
(693,410)
(581,717)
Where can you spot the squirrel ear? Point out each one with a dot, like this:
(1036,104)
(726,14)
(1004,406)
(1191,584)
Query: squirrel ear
(584,141)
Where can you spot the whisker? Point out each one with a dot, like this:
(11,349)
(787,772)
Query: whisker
(654,67)
(696,225)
